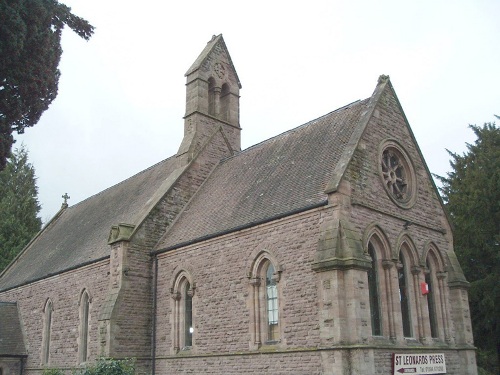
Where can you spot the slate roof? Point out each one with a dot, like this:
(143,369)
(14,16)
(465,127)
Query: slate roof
(11,334)
(79,234)
(284,174)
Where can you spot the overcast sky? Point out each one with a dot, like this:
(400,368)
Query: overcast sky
(122,94)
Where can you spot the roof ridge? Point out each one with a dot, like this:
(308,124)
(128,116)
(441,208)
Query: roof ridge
(359,101)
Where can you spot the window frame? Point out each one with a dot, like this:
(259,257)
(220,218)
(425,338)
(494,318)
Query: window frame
(262,332)
(48,310)
(183,304)
(84,326)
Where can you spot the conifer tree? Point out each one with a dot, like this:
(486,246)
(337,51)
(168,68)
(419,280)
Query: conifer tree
(471,192)
(19,206)
(30,50)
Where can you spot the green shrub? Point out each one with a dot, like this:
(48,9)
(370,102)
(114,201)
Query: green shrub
(108,366)
(52,371)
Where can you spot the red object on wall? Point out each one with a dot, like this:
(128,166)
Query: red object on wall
(424,287)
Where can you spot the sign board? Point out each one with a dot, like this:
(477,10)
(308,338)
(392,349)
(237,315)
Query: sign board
(419,364)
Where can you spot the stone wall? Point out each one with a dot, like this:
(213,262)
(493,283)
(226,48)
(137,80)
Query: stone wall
(64,291)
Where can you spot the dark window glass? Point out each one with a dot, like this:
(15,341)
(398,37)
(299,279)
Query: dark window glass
(84,327)
(374,294)
(188,316)
(404,297)
(430,301)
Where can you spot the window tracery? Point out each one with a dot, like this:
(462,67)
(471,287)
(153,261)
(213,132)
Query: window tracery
(398,175)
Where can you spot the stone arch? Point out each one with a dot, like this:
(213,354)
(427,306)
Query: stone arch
(431,249)
(404,241)
(375,233)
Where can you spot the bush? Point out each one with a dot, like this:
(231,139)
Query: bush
(52,371)
(108,366)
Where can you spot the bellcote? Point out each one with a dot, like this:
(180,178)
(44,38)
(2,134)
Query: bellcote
(212,84)
(212,101)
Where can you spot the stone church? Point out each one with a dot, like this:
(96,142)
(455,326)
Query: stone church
(323,250)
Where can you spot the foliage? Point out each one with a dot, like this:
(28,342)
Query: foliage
(30,50)
(19,206)
(471,192)
(109,366)
(52,371)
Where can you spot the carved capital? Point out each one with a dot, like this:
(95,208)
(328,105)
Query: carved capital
(387,264)
(441,275)
(176,296)
(415,270)
(255,281)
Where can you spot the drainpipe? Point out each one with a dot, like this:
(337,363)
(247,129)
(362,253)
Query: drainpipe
(155,288)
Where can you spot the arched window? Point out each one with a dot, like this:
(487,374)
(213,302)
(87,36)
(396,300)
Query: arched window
(374,293)
(404,295)
(431,297)
(265,294)
(183,324)
(47,328)
(84,327)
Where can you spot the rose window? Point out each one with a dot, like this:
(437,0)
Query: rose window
(398,175)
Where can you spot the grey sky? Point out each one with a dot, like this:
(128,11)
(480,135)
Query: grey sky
(121,95)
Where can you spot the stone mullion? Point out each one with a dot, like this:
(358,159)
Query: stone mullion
(255,282)
(442,300)
(176,297)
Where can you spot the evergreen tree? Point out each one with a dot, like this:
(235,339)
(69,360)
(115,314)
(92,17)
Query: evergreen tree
(19,206)
(30,50)
(471,192)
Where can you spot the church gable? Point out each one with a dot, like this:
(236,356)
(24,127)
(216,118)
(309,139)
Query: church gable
(387,170)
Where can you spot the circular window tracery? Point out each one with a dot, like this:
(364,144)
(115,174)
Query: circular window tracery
(398,175)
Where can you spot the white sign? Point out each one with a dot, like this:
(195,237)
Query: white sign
(419,364)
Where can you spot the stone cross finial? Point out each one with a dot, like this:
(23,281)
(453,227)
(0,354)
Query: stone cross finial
(65,197)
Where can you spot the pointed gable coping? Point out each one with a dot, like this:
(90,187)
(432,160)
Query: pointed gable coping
(11,334)
(383,83)
(351,146)
(216,39)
